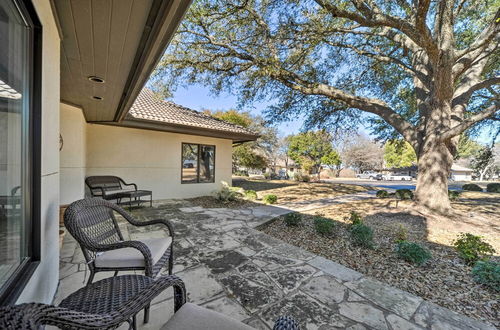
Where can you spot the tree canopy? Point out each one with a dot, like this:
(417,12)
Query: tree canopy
(310,149)
(399,153)
(424,70)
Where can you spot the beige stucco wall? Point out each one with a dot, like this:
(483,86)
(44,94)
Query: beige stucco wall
(43,284)
(152,159)
(73,154)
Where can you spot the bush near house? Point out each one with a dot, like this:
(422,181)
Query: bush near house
(270,199)
(362,235)
(302,177)
(227,193)
(250,194)
(471,187)
(382,194)
(472,248)
(493,187)
(487,273)
(404,194)
(293,219)
(401,233)
(323,225)
(412,252)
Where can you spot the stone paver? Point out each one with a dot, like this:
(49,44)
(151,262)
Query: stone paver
(231,267)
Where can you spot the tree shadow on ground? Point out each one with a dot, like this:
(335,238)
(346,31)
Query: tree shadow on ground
(261,185)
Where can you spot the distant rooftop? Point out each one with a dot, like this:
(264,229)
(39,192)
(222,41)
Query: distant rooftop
(148,107)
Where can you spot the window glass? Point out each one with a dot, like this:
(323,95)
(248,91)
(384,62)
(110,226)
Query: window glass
(198,163)
(207,163)
(14,137)
(189,162)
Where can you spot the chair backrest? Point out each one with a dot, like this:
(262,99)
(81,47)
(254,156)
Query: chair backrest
(104,182)
(91,222)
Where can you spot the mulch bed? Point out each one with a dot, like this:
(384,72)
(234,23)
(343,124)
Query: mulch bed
(212,202)
(444,280)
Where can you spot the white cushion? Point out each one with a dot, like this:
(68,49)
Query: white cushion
(130,257)
(193,317)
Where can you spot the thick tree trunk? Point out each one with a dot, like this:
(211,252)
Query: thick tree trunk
(434,165)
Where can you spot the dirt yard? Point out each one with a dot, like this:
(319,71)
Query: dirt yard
(445,279)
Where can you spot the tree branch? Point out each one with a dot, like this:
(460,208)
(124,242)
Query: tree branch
(469,122)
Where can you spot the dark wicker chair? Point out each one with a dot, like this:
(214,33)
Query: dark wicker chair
(93,224)
(107,304)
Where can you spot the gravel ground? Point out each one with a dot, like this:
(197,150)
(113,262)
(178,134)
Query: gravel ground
(444,280)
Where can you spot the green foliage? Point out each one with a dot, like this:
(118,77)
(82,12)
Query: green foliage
(471,187)
(362,235)
(412,252)
(240,173)
(466,147)
(243,119)
(355,218)
(250,194)
(293,219)
(323,225)
(404,194)
(270,199)
(399,153)
(331,159)
(382,194)
(401,234)
(245,155)
(487,273)
(453,195)
(493,187)
(226,193)
(308,149)
(302,177)
(472,248)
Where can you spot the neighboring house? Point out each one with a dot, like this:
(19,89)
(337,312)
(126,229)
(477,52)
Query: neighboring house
(460,173)
(70,71)
(174,151)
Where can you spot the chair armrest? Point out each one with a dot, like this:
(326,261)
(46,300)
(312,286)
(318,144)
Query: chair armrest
(164,222)
(286,323)
(129,184)
(160,284)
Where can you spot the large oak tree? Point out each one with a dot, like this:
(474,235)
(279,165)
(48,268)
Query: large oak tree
(428,69)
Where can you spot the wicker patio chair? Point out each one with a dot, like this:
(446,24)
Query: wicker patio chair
(93,224)
(108,303)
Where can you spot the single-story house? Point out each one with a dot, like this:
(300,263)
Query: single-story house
(461,173)
(71,72)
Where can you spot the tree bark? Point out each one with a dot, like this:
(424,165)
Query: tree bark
(434,165)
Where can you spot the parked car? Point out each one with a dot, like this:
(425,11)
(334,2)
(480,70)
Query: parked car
(397,177)
(367,175)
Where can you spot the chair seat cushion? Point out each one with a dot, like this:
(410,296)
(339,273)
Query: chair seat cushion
(130,257)
(193,317)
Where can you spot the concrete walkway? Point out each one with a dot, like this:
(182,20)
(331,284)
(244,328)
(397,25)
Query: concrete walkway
(230,267)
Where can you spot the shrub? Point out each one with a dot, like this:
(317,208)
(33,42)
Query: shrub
(226,193)
(401,233)
(270,199)
(471,248)
(267,175)
(493,187)
(382,194)
(404,194)
(413,252)
(323,225)
(293,219)
(487,273)
(250,194)
(471,187)
(362,235)
(355,218)
(453,195)
(240,173)
(301,177)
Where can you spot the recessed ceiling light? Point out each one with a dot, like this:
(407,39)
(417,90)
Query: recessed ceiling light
(98,98)
(96,79)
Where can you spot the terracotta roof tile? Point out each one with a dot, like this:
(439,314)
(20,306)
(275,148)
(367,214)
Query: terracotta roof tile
(149,107)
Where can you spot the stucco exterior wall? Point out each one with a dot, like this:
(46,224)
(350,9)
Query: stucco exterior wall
(43,284)
(73,154)
(152,159)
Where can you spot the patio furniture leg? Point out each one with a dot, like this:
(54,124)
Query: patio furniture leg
(133,324)
(91,277)
(146,313)
(116,273)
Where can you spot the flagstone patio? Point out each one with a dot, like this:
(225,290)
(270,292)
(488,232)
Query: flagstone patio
(231,267)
